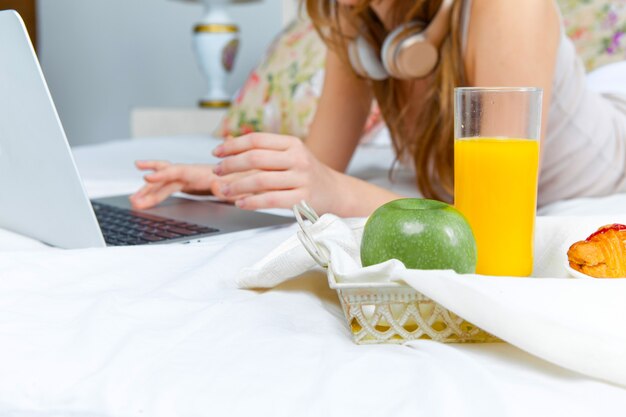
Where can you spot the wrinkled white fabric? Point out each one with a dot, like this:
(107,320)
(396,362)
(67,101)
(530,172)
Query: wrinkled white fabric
(574,323)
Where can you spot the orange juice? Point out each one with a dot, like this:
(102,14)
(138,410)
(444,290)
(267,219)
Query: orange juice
(495,187)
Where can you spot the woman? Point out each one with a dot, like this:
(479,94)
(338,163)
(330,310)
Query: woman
(486,43)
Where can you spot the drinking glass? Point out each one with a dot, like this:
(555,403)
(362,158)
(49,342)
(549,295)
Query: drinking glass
(496,167)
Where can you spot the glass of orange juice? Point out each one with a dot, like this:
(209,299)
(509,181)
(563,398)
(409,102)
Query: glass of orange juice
(496,167)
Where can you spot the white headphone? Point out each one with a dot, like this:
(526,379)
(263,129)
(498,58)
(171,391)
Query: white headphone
(409,51)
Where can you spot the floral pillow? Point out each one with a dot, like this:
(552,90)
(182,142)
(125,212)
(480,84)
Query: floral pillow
(280,95)
(598,29)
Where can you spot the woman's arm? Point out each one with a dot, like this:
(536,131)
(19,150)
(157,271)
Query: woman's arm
(513,44)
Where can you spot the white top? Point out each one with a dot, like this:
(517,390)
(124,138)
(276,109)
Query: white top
(584,151)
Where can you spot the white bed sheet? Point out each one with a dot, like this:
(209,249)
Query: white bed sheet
(163,330)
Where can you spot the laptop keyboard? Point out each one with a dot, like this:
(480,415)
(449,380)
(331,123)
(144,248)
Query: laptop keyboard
(122,227)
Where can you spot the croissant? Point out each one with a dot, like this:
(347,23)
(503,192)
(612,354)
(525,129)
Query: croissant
(602,254)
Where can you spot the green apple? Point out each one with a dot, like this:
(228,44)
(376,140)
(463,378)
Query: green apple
(423,234)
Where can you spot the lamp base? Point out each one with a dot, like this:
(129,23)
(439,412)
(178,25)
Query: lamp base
(216,46)
(213,104)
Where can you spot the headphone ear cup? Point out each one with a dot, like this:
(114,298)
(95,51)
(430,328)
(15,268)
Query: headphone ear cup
(365,61)
(407,53)
(388,51)
(416,59)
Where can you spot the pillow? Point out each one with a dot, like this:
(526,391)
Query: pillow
(280,95)
(598,29)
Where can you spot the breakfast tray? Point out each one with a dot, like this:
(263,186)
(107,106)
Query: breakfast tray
(389,312)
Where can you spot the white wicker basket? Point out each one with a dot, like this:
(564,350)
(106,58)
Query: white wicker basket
(389,312)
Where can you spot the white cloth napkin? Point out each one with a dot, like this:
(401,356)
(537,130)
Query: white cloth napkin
(577,324)
(291,259)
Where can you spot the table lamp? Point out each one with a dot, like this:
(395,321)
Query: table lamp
(215,42)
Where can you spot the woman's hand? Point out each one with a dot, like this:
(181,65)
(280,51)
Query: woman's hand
(279,172)
(167,178)
(263,170)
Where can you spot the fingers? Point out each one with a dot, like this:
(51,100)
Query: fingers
(168,178)
(283,168)
(165,175)
(258,159)
(258,183)
(196,179)
(176,172)
(152,194)
(251,141)
(226,181)
(151,165)
(258,171)
(137,200)
(217,192)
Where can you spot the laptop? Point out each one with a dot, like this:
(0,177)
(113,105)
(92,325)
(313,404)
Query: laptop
(41,192)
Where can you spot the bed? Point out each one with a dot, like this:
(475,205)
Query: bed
(164,331)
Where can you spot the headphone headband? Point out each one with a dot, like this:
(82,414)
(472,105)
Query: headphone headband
(439,27)
(409,51)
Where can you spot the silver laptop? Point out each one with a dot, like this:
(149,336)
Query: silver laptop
(41,193)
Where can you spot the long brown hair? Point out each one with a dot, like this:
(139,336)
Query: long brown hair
(428,139)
